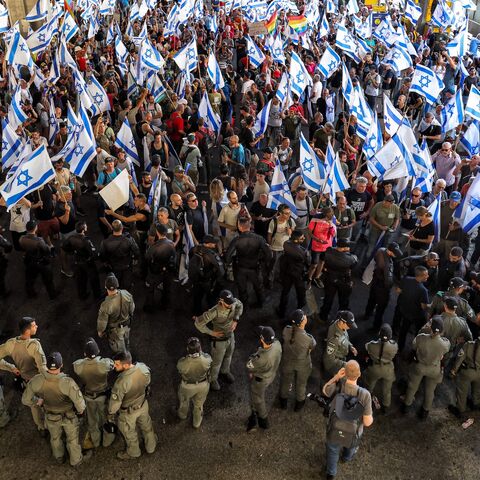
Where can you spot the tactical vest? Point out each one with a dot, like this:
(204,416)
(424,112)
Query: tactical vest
(136,392)
(54,400)
(95,380)
(23,360)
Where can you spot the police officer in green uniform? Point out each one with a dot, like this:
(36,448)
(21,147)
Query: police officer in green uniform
(114,316)
(338,343)
(224,318)
(28,357)
(262,368)
(93,372)
(456,288)
(129,400)
(381,353)
(466,371)
(429,351)
(194,369)
(296,360)
(4,415)
(61,399)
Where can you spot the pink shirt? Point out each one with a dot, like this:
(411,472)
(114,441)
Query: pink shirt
(324,231)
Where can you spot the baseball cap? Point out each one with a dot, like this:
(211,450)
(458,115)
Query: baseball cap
(266,334)
(389,198)
(54,361)
(450,302)
(227,297)
(394,247)
(456,196)
(385,332)
(91,349)
(111,282)
(191,137)
(457,282)
(182,101)
(178,169)
(343,243)
(297,316)
(347,317)
(210,239)
(437,324)
(109,159)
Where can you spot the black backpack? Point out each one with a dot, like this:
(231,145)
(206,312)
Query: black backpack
(346,416)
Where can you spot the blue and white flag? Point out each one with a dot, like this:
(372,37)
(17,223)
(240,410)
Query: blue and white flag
(442,15)
(277,49)
(35,172)
(347,87)
(459,45)
(38,12)
(324,29)
(255,55)
(425,82)
(329,62)
(386,33)
(64,56)
(16,115)
(100,102)
(122,54)
(111,33)
(470,217)
(424,167)
(38,41)
(151,57)
(362,111)
(69,27)
(214,72)
(434,208)
(280,191)
(374,140)
(82,89)
(73,127)
(299,77)
(392,118)
(352,7)
(107,7)
(4,19)
(399,59)
(187,57)
(261,121)
(205,110)
(413,11)
(346,42)
(336,179)
(313,169)
(364,29)
(134,12)
(18,52)
(156,88)
(126,141)
(331,7)
(471,139)
(84,152)
(282,89)
(472,107)
(53,127)
(11,146)
(453,113)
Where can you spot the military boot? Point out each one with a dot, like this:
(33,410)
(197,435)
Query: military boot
(263,423)
(252,422)
(283,403)
(299,405)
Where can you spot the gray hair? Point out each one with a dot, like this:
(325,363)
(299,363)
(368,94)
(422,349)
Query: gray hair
(362,180)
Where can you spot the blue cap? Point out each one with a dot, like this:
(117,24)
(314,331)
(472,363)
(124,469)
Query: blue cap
(456,196)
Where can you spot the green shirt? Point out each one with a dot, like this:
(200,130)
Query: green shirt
(386,215)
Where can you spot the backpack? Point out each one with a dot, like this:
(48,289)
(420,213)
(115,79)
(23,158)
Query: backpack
(290,223)
(346,415)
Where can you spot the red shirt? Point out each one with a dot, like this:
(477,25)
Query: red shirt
(324,231)
(178,125)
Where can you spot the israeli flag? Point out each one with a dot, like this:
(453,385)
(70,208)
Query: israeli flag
(385,33)
(111,33)
(64,56)
(125,141)
(324,27)
(347,87)
(471,139)
(16,115)
(329,62)
(399,59)
(82,89)
(151,57)
(72,136)
(442,15)
(261,121)
(352,7)
(84,151)
(255,55)
(331,7)
(122,54)
(374,139)
(187,57)
(336,179)
(313,170)
(280,191)
(345,41)
(434,208)
(107,7)
(205,110)
(38,12)
(53,126)
(69,27)
(423,161)
(470,218)
(156,88)
(472,107)
(282,89)
(392,118)
(413,11)
(35,172)
(453,113)
(299,77)
(364,29)
(18,52)
(277,50)
(11,146)
(38,41)
(100,102)
(4,19)
(24,154)
(459,46)
(134,12)
(214,72)
(425,82)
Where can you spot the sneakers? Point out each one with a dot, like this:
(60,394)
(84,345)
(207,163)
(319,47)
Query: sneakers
(124,456)
(263,423)
(214,385)
(66,274)
(228,377)
(454,410)
(423,414)
(86,456)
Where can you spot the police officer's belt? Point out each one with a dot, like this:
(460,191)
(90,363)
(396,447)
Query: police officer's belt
(382,362)
(94,395)
(195,383)
(223,339)
(118,325)
(132,408)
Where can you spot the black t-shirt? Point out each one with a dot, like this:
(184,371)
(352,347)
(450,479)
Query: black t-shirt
(386,75)
(46,212)
(195,219)
(358,201)
(413,295)
(431,131)
(258,210)
(422,233)
(60,211)
(406,206)
(246,137)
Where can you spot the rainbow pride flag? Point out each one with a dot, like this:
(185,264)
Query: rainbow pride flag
(272,23)
(299,23)
(69,6)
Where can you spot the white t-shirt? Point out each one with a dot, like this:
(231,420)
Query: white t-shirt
(19,216)
(281,235)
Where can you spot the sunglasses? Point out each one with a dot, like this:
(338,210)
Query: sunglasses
(415,196)
(193,200)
